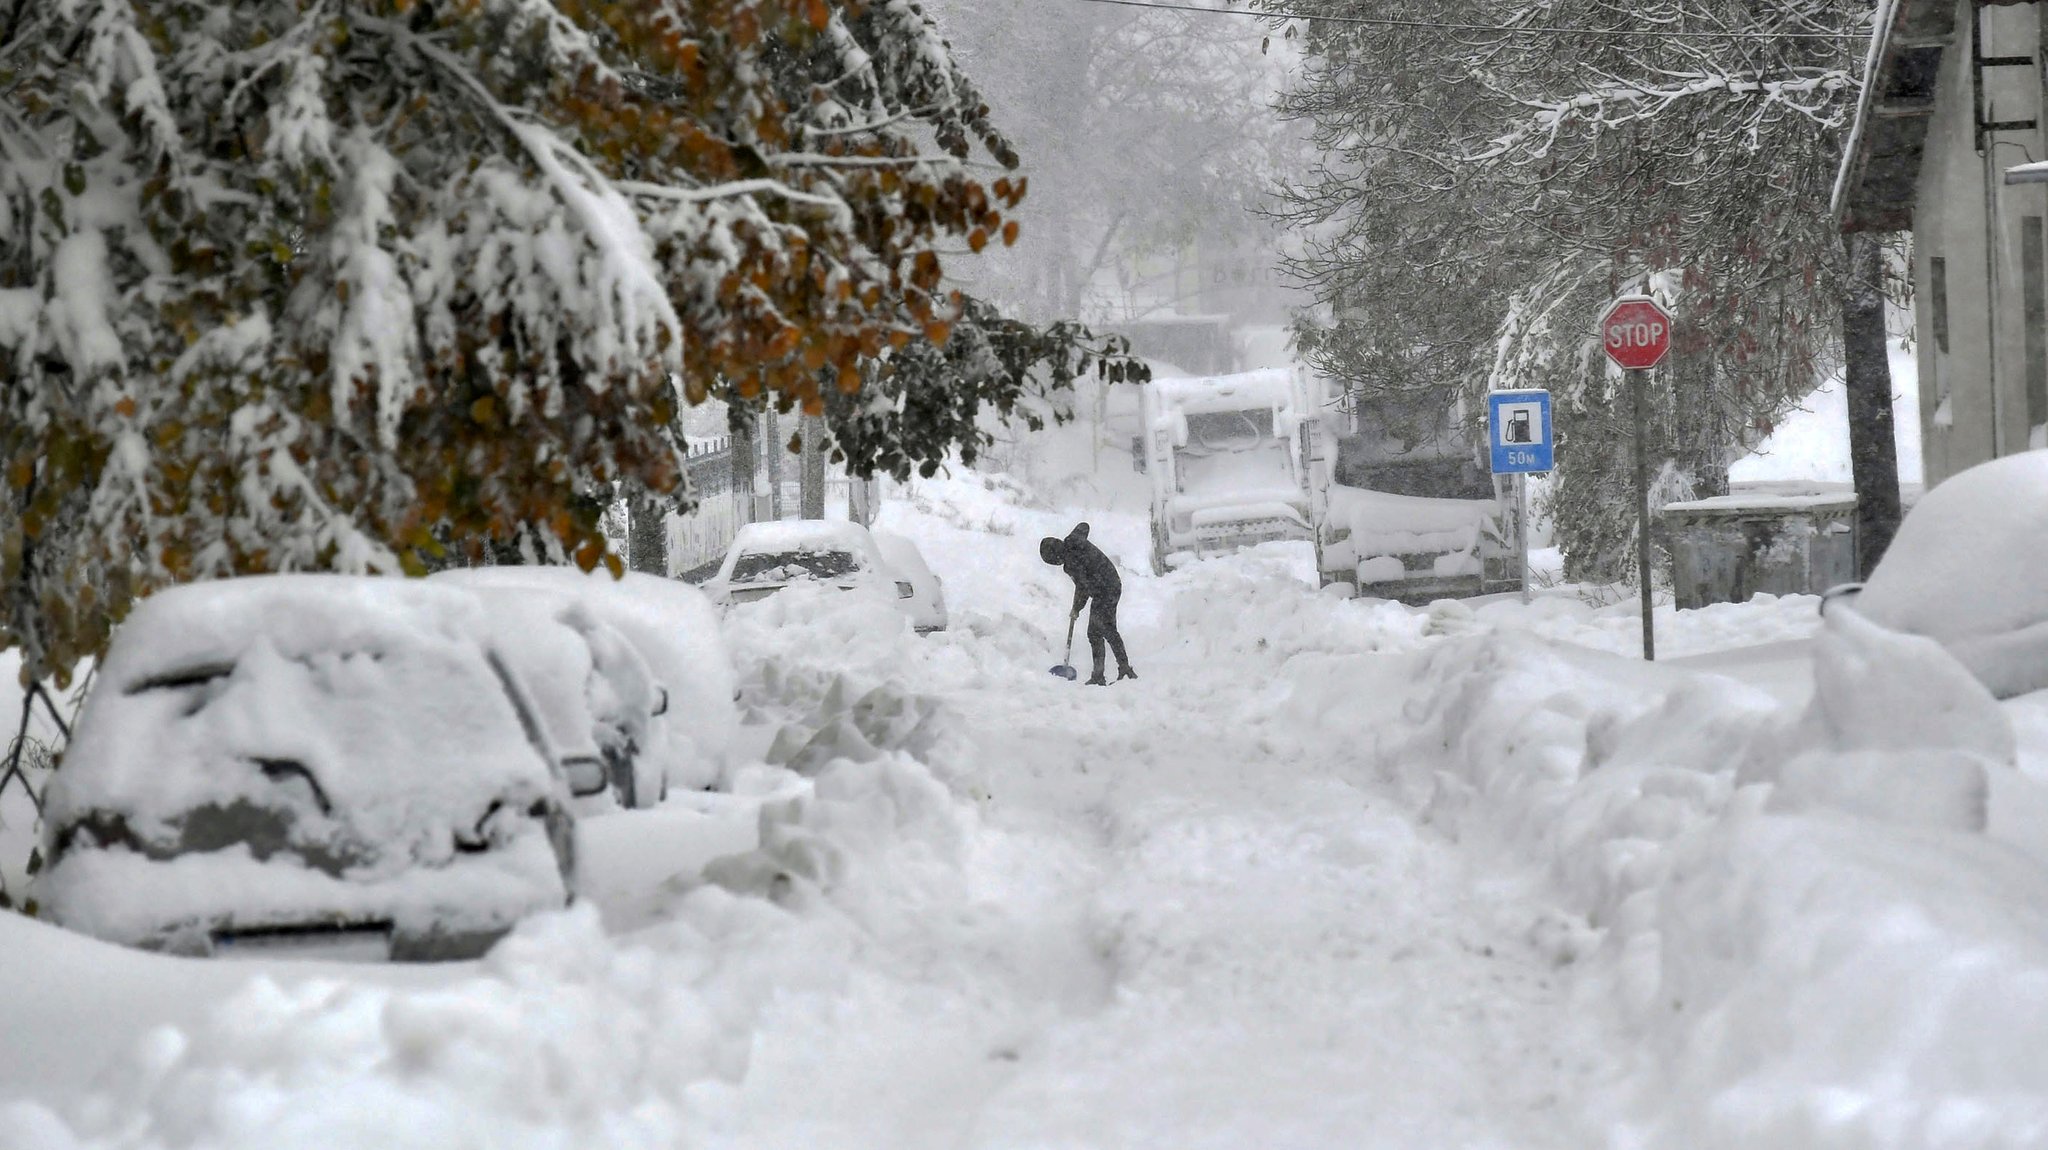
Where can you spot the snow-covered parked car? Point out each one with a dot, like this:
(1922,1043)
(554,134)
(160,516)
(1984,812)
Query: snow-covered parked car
(658,694)
(318,764)
(1966,570)
(926,605)
(768,557)
(596,696)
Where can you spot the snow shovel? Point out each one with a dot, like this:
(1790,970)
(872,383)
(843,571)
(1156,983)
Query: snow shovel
(1066,670)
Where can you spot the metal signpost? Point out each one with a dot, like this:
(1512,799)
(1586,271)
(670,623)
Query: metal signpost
(1520,433)
(1636,332)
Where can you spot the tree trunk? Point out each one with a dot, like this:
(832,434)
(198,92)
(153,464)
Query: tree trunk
(774,447)
(742,456)
(647,535)
(813,467)
(1873,448)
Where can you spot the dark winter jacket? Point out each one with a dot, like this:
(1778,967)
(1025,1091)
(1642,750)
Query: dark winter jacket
(1093,573)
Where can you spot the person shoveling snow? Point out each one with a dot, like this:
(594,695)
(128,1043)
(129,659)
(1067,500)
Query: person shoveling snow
(1095,581)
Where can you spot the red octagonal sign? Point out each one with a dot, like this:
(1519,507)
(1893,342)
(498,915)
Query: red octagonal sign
(1636,332)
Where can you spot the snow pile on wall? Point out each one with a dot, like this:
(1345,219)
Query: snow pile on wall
(1794,912)
(1617,627)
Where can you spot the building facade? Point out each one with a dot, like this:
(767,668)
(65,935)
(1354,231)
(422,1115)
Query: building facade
(1949,144)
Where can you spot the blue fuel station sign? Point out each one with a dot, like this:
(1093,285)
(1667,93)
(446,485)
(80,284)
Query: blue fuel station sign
(1518,426)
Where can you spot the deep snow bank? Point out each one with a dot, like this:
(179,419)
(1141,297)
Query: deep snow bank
(1801,974)
(691,1030)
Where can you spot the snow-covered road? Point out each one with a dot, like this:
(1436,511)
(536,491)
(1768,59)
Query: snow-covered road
(1278,955)
(1329,875)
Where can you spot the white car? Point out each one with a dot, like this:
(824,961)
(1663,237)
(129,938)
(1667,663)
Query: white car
(684,723)
(308,764)
(1966,571)
(768,557)
(596,696)
(927,603)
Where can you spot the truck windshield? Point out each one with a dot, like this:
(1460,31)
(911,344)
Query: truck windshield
(1214,431)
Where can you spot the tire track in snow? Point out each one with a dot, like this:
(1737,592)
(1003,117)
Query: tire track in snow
(1297,962)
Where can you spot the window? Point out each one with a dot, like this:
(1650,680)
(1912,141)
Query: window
(802,565)
(2034,285)
(1937,288)
(1938,291)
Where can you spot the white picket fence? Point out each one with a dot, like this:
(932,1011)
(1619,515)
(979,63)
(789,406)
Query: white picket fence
(698,541)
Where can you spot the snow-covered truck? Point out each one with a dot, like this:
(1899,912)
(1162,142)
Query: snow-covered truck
(1235,461)
(1239,460)
(1417,548)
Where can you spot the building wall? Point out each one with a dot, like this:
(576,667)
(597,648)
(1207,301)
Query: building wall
(1964,419)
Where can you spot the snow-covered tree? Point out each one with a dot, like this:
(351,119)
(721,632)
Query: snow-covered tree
(291,284)
(1488,191)
(1146,132)
(926,400)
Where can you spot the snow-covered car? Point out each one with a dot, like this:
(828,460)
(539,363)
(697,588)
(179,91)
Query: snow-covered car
(315,764)
(661,708)
(594,693)
(1966,571)
(768,557)
(926,605)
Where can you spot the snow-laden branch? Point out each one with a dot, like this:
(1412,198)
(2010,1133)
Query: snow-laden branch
(1620,102)
(628,283)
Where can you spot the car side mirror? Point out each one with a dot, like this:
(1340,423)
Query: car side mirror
(904,590)
(586,776)
(1842,591)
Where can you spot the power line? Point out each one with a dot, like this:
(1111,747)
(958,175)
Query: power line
(1499,29)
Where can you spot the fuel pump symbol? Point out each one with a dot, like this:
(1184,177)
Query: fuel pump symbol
(1519,428)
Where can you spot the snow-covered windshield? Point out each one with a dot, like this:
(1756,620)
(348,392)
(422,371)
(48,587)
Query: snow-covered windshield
(1213,431)
(1234,452)
(795,566)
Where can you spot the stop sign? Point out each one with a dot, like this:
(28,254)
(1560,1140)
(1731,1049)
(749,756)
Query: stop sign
(1636,332)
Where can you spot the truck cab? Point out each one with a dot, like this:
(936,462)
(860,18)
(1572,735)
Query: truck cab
(1234,461)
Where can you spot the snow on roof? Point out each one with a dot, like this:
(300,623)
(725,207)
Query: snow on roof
(1269,387)
(790,534)
(1853,157)
(1785,495)
(1204,319)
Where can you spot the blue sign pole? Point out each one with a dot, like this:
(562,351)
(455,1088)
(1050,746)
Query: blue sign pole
(1522,442)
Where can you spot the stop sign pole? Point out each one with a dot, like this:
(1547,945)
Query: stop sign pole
(1636,333)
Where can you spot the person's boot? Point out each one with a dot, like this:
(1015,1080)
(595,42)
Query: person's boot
(1125,672)
(1096,680)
